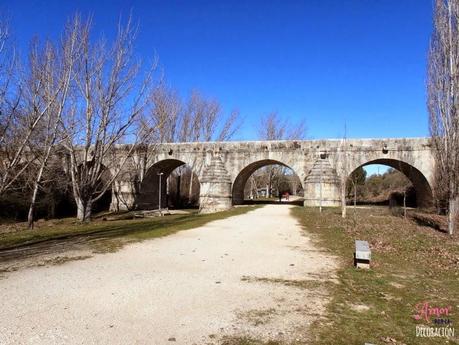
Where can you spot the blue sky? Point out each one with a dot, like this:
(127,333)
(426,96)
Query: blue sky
(330,62)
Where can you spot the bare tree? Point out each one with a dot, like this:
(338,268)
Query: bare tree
(202,119)
(357,178)
(251,187)
(16,126)
(195,119)
(110,95)
(443,87)
(165,114)
(51,73)
(274,127)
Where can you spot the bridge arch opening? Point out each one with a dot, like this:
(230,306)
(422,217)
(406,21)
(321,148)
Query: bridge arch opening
(180,186)
(262,181)
(390,186)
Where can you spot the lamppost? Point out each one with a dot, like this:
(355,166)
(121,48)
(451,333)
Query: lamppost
(320,189)
(160,174)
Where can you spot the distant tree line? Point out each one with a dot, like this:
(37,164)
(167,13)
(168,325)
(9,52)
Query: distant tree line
(387,188)
(283,181)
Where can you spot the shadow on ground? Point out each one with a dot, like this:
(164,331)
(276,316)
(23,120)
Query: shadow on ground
(273,202)
(77,239)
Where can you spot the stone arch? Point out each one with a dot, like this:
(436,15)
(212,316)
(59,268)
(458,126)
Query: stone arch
(424,195)
(246,172)
(148,194)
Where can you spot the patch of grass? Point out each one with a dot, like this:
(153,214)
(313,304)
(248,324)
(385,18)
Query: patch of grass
(303,284)
(108,236)
(246,341)
(243,340)
(59,260)
(258,316)
(410,265)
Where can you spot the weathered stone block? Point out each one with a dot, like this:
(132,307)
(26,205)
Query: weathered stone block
(362,255)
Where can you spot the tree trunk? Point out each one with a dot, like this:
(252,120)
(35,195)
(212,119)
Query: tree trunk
(84,210)
(190,191)
(404,204)
(343,198)
(178,196)
(270,187)
(452,214)
(167,191)
(270,182)
(355,196)
(52,209)
(117,203)
(30,217)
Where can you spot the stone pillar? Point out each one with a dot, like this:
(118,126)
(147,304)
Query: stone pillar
(321,186)
(215,187)
(123,196)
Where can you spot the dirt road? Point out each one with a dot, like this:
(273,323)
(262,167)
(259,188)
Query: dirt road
(255,275)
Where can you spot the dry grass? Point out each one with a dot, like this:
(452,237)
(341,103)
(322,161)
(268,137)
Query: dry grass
(435,221)
(251,341)
(303,284)
(410,264)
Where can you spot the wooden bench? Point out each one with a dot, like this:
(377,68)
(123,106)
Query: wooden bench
(362,254)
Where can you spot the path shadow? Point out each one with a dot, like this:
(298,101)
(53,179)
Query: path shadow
(273,202)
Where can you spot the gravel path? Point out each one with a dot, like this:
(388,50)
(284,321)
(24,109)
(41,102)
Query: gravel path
(241,276)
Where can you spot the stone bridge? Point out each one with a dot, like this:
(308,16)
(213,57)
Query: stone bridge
(224,167)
